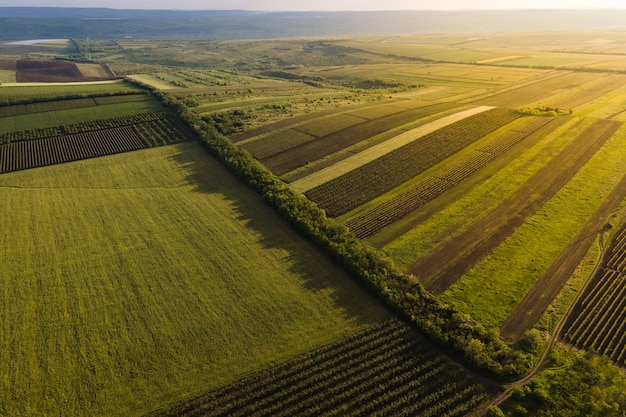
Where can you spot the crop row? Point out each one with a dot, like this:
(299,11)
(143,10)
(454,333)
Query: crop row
(284,140)
(382,215)
(123,98)
(82,127)
(368,181)
(384,370)
(28,154)
(328,125)
(276,142)
(599,322)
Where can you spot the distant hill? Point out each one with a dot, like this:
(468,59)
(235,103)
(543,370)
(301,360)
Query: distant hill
(28,23)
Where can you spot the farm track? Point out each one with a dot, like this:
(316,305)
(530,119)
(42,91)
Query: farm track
(292,158)
(379,172)
(383,370)
(450,260)
(548,286)
(378,217)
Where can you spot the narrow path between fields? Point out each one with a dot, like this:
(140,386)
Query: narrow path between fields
(375,152)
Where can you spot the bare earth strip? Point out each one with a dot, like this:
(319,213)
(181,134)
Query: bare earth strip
(450,260)
(539,297)
(362,158)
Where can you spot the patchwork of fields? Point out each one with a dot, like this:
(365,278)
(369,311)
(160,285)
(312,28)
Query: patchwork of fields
(144,274)
(158,283)
(443,201)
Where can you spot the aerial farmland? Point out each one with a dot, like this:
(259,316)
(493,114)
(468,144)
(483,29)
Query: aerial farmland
(374,225)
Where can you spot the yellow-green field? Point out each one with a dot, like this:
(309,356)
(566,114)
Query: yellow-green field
(132,280)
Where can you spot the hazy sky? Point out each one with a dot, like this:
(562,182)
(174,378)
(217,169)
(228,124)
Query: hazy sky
(296,5)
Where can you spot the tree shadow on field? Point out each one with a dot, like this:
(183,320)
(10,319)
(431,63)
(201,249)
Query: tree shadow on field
(306,262)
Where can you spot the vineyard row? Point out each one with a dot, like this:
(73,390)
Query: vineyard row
(84,127)
(599,322)
(384,370)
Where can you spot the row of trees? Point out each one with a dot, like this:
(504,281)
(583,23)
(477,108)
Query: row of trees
(457,333)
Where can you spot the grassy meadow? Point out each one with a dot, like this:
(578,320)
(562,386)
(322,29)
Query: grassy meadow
(142,277)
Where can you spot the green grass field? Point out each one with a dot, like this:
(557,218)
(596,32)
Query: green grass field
(134,280)
(140,281)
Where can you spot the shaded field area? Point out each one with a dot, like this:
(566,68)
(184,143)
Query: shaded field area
(450,260)
(384,370)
